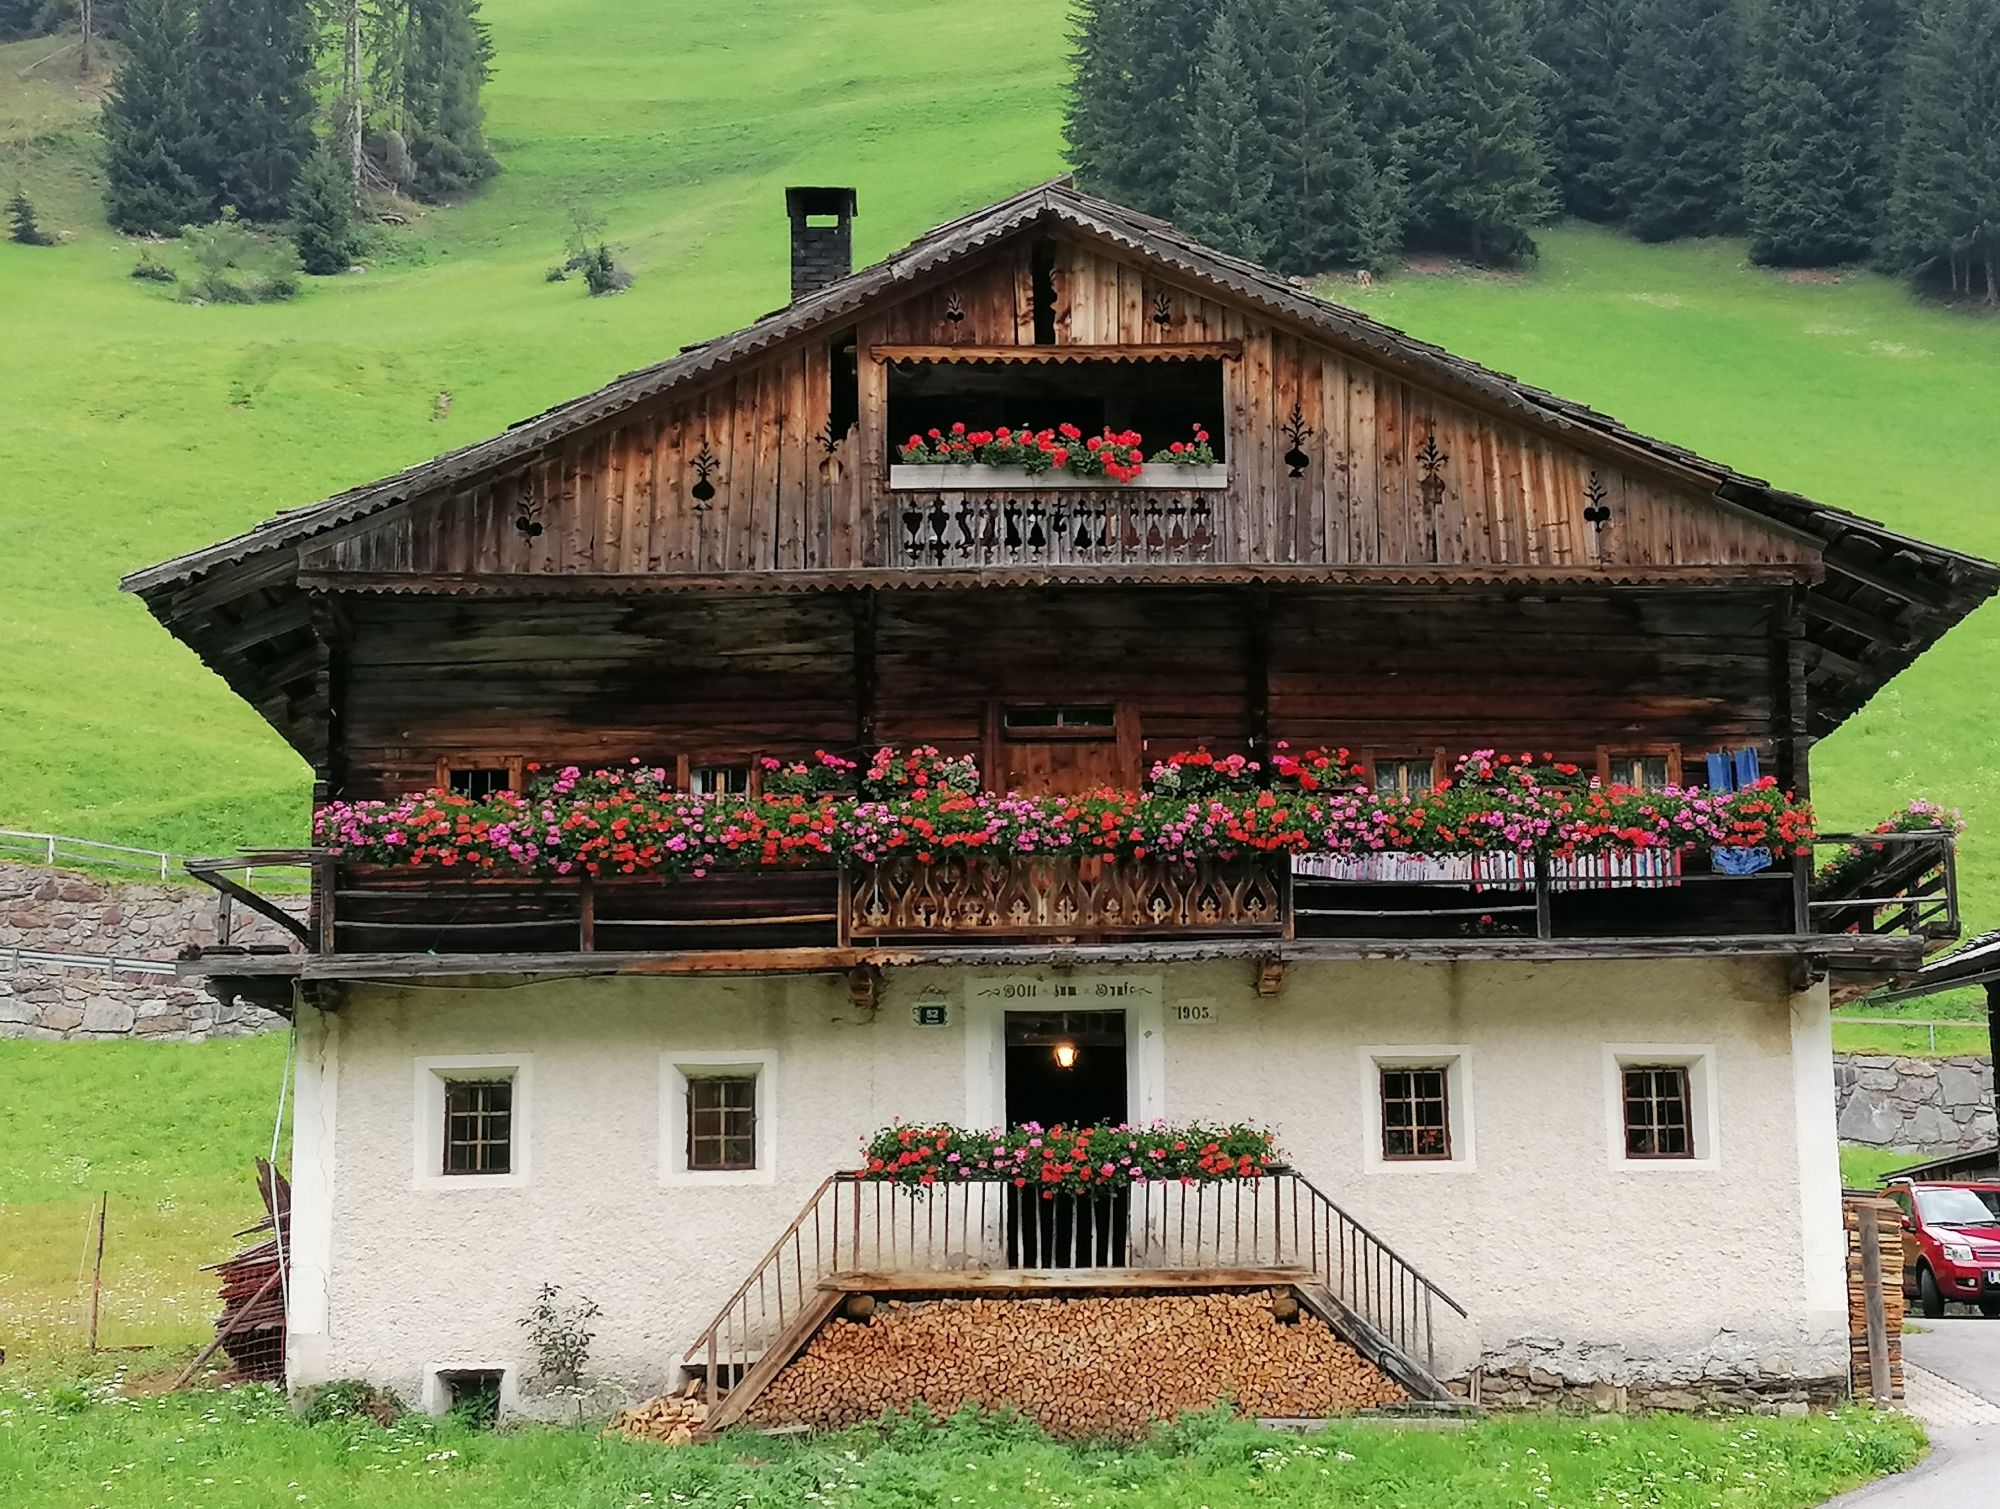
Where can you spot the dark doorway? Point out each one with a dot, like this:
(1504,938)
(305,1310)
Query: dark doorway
(1066,1068)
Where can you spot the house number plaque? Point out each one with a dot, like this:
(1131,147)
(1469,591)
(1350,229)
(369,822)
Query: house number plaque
(931,1014)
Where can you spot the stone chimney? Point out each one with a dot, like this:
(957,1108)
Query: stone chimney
(822,237)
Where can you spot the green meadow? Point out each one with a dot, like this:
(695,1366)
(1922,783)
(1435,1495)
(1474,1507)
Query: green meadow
(139,427)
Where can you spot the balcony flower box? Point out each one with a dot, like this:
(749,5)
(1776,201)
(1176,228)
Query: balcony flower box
(980,478)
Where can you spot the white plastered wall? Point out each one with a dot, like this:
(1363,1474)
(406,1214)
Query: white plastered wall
(1565,1256)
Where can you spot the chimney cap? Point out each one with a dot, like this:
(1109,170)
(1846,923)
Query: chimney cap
(807,200)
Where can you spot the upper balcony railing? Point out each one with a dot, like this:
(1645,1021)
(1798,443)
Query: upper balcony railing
(1133,525)
(1881,885)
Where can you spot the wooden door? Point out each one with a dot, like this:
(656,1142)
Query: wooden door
(1062,748)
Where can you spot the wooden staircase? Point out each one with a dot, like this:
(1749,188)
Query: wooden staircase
(1278,1232)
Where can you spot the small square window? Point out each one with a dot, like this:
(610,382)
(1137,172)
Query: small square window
(473,1395)
(719,780)
(478,781)
(721,1122)
(1642,772)
(1658,1112)
(1405,777)
(1416,1112)
(479,1126)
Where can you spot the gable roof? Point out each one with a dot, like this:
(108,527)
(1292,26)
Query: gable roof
(1886,597)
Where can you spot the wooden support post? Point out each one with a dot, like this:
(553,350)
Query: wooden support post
(225,918)
(1869,1230)
(586,916)
(1257,676)
(1993,1034)
(864,608)
(97,1269)
(326,876)
(1802,919)
(1544,910)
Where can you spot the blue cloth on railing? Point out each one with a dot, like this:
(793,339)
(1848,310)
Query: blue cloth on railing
(1735,771)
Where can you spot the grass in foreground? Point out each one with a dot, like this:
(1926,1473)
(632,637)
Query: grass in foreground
(169,1131)
(243,1449)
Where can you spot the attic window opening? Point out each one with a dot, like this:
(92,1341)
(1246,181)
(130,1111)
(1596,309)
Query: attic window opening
(1164,400)
(843,398)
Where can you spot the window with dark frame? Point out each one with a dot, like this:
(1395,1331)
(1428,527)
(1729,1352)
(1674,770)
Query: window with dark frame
(478,781)
(479,1126)
(1658,1123)
(1642,771)
(719,780)
(1407,777)
(1416,1113)
(721,1122)
(1093,720)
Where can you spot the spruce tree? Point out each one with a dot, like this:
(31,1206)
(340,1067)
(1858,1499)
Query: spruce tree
(1811,162)
(254,74)
(20,18)
(23,228)
(323,215)
(1944,208)
(1479,174)
(1581,44)
(1679,92)
(1325,208)
(1388,73)
(153,141)
(1100,97)
(1223,196)
(450,57)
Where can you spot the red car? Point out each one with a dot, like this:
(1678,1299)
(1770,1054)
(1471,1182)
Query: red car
(1951,1244)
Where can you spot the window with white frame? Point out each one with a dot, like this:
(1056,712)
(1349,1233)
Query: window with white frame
(1661,1109)
(1421,1116)
(471,1121)
(716,1117)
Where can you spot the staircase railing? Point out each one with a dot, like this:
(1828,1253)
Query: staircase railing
(1888,883)
(1218,1231)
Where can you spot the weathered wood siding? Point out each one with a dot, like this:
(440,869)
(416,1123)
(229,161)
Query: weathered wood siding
(726,678)
(790,494)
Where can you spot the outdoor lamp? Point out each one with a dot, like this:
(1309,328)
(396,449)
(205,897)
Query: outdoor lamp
(1065,1054)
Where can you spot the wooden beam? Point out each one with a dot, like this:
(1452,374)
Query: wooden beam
(1058,1280)
(1830,610)
(1162,352)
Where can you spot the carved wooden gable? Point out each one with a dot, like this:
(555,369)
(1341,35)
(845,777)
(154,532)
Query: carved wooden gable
(1335,459)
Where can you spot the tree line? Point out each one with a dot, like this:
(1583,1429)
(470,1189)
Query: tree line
(1314,134)
(218,108)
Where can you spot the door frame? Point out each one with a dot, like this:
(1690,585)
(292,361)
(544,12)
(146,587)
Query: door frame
(986,1037)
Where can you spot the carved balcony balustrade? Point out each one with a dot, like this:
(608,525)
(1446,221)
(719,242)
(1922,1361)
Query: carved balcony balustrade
(997,897)
(1059,526)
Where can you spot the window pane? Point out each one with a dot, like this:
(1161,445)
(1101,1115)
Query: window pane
(722,1122)
(1416,1114)
(478,1126)
(478,782)
(1656,1113)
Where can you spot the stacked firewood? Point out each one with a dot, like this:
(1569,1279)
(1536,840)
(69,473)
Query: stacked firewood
(671,1419)
(251,1328)
(1889,1240)
(1102,1365)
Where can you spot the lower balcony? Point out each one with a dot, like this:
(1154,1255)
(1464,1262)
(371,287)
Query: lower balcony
(1866,916)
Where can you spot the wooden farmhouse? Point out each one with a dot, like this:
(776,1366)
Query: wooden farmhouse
(816,732)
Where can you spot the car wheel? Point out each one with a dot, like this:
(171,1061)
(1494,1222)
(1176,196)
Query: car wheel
(1929,1296)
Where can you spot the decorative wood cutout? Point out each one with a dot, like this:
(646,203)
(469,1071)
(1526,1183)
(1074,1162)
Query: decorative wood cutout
(528,512)
(829,440)
(705,464)
(1430,487)
(1596,511)
(954,311)
(1297,431)
(1163,310)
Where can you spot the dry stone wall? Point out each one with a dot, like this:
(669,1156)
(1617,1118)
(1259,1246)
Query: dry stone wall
(58,911)
(1930,1105)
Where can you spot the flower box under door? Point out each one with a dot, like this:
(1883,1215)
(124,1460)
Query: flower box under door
(1019,478)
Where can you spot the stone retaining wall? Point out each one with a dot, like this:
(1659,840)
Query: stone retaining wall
(64,912)
(1931,1105)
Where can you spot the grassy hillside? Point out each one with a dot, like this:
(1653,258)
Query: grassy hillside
(168,1131)
(153,427)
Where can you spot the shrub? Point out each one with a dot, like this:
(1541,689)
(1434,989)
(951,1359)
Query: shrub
(352,1399)
(233,265)
(325,234)
(151,269)
(602,274)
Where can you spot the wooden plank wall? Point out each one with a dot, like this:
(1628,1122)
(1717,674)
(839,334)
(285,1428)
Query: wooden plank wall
(619,499)
(725,678)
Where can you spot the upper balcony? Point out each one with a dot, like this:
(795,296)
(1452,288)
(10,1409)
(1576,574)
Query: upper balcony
(599,874)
